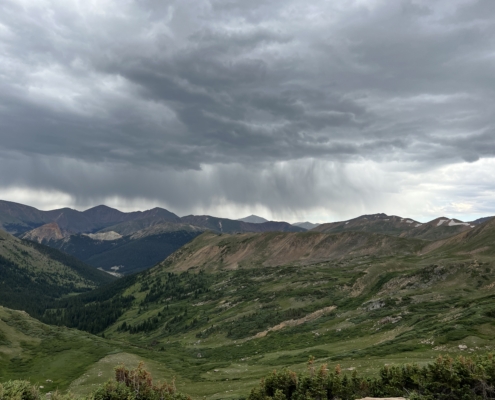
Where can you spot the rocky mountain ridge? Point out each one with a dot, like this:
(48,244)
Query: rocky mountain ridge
(439,228)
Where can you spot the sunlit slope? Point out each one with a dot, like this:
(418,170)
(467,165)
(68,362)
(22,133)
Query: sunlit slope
(58,358)
(50,356)
(215,252)
(252,285)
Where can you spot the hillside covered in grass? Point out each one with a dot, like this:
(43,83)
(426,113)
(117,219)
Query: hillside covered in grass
(234,307)
(463,378)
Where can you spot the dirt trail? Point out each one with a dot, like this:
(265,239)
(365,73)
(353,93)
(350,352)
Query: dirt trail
(294,322)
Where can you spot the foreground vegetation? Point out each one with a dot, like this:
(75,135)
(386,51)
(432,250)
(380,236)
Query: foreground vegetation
(136,384)
(462,378)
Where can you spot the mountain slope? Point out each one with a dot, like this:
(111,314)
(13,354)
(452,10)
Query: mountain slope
(481,220)
(253,219)
(245,303)
(119,242)
(439,228)
(124,255)
(479,241)
(17,218)
(45,233)
(306,225)
(148,224)
(225,225)
(32,275)
(133,255)
(213,252)
(50,356)
(375,223)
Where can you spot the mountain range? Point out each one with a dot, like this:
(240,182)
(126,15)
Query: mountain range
(19,219)
(118,242)
(123,243)
(226,308)
(438,228)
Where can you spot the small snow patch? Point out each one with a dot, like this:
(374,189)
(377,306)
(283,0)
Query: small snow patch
(104,236)
(347,222)
(409,221)
(453,223)
(442,221)
(418,225)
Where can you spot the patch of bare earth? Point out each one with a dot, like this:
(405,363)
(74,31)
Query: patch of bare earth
(294,322)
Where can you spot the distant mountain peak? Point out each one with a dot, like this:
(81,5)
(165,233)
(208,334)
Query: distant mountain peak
(306,225)
(253,219)
(374,217)
(100,207)
(481,220)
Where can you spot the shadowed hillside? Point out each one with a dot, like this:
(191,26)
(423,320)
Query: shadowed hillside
(32,275)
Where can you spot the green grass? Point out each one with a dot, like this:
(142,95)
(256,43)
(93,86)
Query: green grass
(238,304)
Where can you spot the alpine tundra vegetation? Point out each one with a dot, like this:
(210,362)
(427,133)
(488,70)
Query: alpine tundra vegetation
(227,309)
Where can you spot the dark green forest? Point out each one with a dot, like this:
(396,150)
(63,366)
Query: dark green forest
(133,254)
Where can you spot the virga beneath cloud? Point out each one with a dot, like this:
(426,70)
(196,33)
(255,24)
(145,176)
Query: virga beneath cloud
(292,108)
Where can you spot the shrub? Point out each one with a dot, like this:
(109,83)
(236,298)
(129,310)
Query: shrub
(136,384)
(19,390)
(445,379)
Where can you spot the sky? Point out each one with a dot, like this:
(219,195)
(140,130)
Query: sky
(291,110)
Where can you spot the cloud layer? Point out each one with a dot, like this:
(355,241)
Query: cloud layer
(292,109)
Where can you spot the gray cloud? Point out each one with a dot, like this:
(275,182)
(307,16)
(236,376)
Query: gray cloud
(253,104)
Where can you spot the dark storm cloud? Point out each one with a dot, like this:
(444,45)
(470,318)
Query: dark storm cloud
(155,87)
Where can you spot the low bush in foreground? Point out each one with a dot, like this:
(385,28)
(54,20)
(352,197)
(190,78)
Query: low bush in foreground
(134,384)
(446,378)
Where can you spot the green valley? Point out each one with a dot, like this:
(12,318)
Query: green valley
(225,310)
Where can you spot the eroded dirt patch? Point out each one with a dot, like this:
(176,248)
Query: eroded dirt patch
(294,322)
